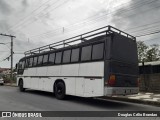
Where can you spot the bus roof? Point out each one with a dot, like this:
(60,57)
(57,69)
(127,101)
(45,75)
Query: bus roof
(78,40)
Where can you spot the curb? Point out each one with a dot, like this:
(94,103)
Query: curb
(133,100)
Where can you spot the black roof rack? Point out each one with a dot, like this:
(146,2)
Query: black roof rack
(79,38)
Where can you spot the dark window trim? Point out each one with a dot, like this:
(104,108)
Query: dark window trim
(38,60)
(71,48)
(32,62)
(91,53)
(78,54)
(54,58)
(63,56)
(43,59)
(103,51)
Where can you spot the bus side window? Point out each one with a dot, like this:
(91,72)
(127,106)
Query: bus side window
(58,57)
(86,53)
(20,65)
(26,63)
(66,56)
(98,51)
(23,64)
(35,61)
(75,55)
(45,59)
(30,62)
(40,58)
(52,58)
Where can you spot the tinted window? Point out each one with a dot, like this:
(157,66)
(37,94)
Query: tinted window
(35,61)
(97,52)
(45,59)
(75,55)
(86,53)
(40,58)
(23,64)
(30,62)
(66,56)
(20,65)
(51,58)
(26,64)
(58,58)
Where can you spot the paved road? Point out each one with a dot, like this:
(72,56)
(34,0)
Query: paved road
(13,100)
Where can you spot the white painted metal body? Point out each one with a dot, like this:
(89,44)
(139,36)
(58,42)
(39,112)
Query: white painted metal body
(81,79)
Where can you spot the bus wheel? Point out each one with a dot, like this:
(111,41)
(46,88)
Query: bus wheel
(21,86)
(60,90)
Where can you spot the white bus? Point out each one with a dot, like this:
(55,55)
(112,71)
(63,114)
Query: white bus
(102,62)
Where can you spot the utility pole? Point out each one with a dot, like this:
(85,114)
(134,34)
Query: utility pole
(11,36)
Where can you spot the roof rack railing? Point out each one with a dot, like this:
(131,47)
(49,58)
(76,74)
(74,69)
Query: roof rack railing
(81,38)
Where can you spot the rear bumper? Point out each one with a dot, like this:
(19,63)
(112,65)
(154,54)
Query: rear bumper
(110,91)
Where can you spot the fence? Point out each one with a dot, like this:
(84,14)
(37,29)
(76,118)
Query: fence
(150,83)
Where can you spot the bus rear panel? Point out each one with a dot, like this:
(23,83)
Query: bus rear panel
(121,66)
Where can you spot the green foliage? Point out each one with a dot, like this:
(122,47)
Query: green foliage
(142,50)
(153,54)
(148,53)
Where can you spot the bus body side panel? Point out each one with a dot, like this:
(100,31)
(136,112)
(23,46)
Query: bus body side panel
(42,79)
(28,81)
(70,73)
(54,72)
(92,81)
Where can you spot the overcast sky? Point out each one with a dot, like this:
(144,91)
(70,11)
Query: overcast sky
(41,22)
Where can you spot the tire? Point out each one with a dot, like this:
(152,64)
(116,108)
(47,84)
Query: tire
(21,86)
(60,90)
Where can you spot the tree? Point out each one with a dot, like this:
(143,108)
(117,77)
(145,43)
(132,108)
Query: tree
(148,53)
(153,53)
(142,50)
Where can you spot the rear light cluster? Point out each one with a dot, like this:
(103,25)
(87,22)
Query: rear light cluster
(111,81)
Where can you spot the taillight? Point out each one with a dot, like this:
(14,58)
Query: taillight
(112,80)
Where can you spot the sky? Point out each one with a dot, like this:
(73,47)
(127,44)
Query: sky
(40,22)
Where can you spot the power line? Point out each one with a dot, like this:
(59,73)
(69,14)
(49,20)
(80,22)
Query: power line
(90,18)
(70,26)
(11,36)
(66,2)
(23,19)
(29,22)
(148,34)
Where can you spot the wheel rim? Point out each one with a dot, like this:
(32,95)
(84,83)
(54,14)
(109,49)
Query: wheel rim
(59,90)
